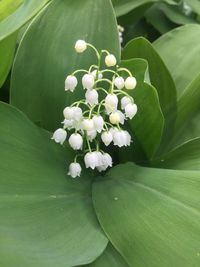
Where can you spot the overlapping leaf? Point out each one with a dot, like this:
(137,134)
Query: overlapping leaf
(151,215)
(46,217)
(52,37)
(179,49)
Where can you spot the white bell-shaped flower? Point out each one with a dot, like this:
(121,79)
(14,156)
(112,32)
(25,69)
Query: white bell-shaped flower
(121,116)
(59,136)
(98,123)
(114,118)
(94,73)
(91,97)
(70,83)
(106,162)
(111,102)
(88,81)
(91,135)
(130,110)
(130,83)
(74,170)
(107,138)
(92,159)
(80,46)
(68,123)
(77,113)
(119,82)
(68,113)
(121,138)
(88,125)
(110,60)
(76,141)
(125,101)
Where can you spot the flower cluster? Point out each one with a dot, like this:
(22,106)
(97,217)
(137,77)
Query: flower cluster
(100,115)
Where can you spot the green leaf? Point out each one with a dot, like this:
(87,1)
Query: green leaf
(23,14)
(151,215)
(48,55)
(7,7)
(175,14)
(181,45)
(159,77)
(146,133)
(109,258)
(123,7)
(183,157)
(158,19)
(7,50)
(46,217)
(187,124)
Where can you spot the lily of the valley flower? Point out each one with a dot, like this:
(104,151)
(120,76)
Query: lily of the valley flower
(88,81)
(110,60)
(80,46)
(59,136)
(130,110)
(130,83)
(97,118)
(70,83)
(76,141)
(74,170)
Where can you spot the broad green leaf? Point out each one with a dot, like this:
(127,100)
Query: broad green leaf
(194,4)
(46,217)
(48,56)
(175,14)
(7,7)
(109,258)
(179,49)
(146,133)
(7,50)
(151,215)
(23,14)
(159,77)
(187,124)
(123,7)
(184,157)
(158,19)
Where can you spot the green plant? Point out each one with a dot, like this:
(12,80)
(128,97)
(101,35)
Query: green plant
(144,211)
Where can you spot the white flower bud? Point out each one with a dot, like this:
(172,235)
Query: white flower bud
(59,136)
(74,170)
(91,135)
(88,81)
(98,123)
(70,83)
(88,125)
(92,97)
(80,46)
(130,110)
(125,101)
(119,82)
(106,138)
(76,141)
(114,118)
(121,138)
(130,83)
(111,102)
(106,162)
(94,73)
(110,60)
(93,159)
